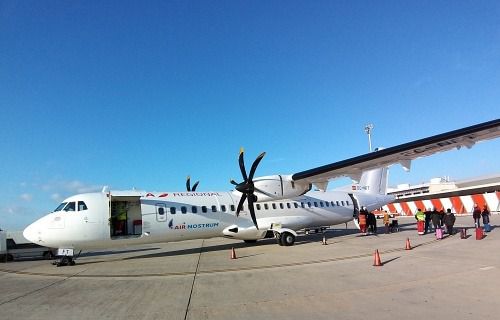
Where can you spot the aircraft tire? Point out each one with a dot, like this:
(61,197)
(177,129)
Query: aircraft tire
(287,239)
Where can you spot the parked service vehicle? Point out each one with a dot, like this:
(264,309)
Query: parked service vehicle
(13,245)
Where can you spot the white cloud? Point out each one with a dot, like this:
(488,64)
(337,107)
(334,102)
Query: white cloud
(61,188)
(26,197)
(56,197)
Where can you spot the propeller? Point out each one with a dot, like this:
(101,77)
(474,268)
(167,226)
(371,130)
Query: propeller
(188,184)
(247,187)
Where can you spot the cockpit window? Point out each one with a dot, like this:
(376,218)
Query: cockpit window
(61,206)
(82,206)
(70,206)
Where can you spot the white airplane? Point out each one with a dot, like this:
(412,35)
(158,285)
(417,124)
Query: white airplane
(271,206)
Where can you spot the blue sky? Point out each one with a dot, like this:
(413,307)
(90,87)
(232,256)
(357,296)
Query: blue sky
(141,94)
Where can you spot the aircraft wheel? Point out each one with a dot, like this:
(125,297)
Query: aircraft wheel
(287,239)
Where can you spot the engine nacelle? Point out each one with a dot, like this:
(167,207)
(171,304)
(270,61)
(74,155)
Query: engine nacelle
(278,187)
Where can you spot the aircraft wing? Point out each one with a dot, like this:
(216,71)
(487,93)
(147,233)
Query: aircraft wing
(403,154)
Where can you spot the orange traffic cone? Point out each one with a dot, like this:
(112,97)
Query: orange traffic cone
(408,245)
(376,260)
(233,253)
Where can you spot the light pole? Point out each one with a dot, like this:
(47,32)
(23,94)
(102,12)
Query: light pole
(368,130)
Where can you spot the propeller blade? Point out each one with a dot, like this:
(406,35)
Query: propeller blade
(188,183)
(242,165)
(233,182)
(240,204)
(195,185)
(252,210)
(255,164)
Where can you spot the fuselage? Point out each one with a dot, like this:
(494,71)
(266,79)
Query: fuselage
(92,220)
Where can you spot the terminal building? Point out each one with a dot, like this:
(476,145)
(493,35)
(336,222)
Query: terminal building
(442,194)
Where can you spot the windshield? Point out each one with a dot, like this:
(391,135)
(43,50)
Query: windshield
(60,207)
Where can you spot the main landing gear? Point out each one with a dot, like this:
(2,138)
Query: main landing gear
(285,238)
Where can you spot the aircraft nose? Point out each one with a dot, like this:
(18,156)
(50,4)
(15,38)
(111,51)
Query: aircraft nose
(31,233)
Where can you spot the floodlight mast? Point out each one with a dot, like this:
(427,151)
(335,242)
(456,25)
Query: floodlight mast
(368,130)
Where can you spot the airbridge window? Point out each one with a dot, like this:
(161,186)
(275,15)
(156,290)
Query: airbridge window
(82,206)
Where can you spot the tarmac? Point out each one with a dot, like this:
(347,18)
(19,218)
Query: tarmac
(452,278)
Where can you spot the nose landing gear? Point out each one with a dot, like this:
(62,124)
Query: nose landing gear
(64,261)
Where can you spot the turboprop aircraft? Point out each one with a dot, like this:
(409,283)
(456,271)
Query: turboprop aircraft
(262,207)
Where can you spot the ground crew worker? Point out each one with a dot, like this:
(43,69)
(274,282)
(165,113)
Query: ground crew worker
(386,221)
(362,220)
(420,216)
(121,221)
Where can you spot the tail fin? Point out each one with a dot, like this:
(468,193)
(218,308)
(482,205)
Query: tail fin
(374,181)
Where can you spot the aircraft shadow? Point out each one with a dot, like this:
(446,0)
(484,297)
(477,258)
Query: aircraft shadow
(300,240)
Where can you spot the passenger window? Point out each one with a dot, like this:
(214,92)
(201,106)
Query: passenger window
(338,204)
(333,204)
(194,209)
(296,205)
(342,203)
(183,209)
(82,206)
(281,206)
(321,204)
(309,204)
(214,208)
(347,203)
(315,204)
(288,205)
(258,206)
(172,210)
(223,208)
(204,209)
(266,206)
(302,205)
(70,206)
(233,208)
(274,205)
(327,204)
(161,211)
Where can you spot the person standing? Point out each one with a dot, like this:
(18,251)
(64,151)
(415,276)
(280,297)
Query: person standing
(428,214)
(372,222)
(420,216)
(436,219)
(485,214)
(476,215)
(386,221)
(362,220)
(449,221)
